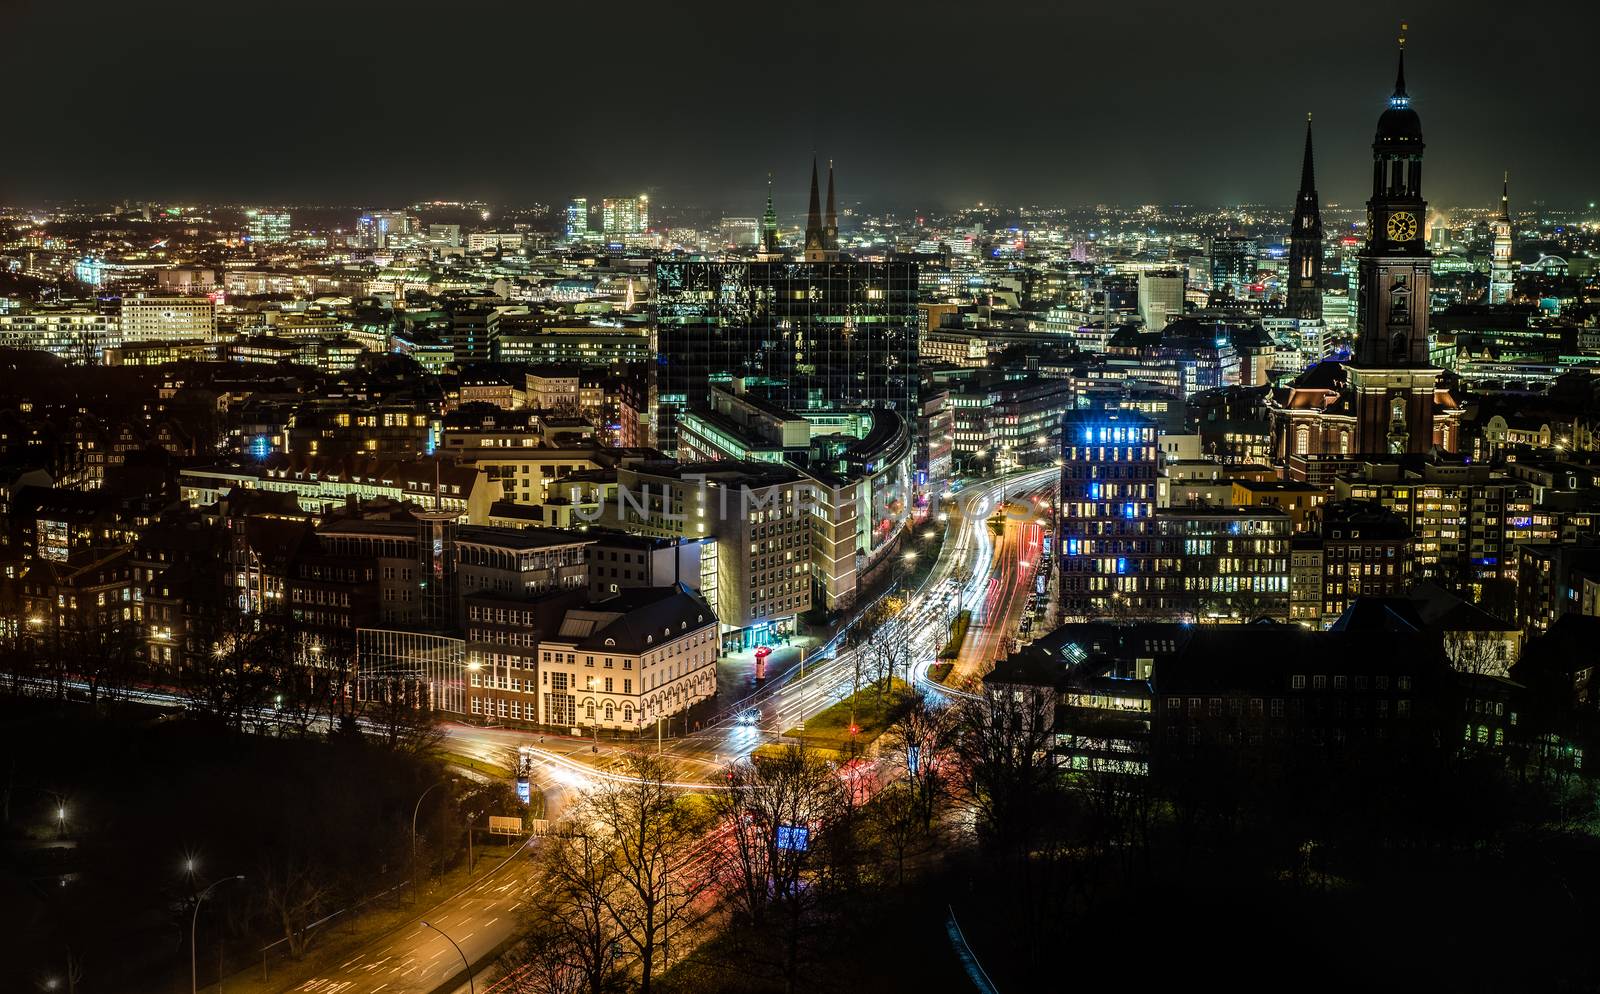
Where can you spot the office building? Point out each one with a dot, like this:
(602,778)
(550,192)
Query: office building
(623,216)
(836,334)
(168,319)
(1234,260)
(1161,294)
(266,227)
(75,334)
(1107,501)
(578,219)
(740,232)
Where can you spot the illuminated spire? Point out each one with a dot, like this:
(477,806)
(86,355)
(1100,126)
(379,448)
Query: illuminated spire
(1401,98)
(769,222)
(1505,197)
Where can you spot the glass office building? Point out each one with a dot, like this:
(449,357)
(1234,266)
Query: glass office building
(832,334)
(423,667)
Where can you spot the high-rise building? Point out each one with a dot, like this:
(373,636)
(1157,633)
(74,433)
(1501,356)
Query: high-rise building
(1108,500)
(623,216)
(1500,249)
(578,218)
(1234,261)
(1161,297)
(168,319)
(267,227)
(381,229)
(834,334)
(828,332)
(1305,244)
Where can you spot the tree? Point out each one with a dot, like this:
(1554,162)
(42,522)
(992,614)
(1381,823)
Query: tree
(894,821)
(400,720)
(573,941)
(233,681)
(1004,743)
(648,835)
(918,741)
(773,811)
(293,889)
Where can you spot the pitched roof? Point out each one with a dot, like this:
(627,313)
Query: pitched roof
(637,620)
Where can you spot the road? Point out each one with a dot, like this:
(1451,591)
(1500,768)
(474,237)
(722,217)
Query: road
(417,960)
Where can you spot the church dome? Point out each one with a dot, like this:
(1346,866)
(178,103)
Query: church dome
(1399,129)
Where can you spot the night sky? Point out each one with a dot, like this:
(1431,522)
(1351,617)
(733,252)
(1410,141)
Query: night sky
(922,104)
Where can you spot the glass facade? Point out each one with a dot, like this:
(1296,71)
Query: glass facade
(815,334)
(432,667)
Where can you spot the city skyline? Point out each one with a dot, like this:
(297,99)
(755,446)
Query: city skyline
(1089,123)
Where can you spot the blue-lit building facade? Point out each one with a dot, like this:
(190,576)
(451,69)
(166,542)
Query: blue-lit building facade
(1122,557)
(1108,500)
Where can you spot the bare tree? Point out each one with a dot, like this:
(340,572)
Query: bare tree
(919,741)
(648,835)
(573,942)
(774,809)
(1004,745)
(894,820)
(293,890)
(233,681)
(1478,653)
(400,720)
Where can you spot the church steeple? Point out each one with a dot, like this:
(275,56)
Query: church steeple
(821,240)
(814,246)
(1308,172)
(1304,297)
(1500,248)
(830,227)
(769,224)
(1391,377)
(1400,98)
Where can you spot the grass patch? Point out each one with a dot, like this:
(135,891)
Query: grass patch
(875,711)
(487,769)
(958,635)
(940,672)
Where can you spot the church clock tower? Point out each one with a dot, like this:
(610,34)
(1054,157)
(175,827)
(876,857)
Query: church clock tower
(1390,376)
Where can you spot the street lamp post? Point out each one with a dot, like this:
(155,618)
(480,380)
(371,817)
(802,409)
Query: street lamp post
(414,812)
(194,920)
(471,988)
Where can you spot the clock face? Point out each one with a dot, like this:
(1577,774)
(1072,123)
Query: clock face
(1402,226)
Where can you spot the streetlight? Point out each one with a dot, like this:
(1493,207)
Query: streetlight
(471,988)
(194,968)
(414,811)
